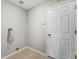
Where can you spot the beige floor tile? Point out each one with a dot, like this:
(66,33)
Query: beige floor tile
(28,54)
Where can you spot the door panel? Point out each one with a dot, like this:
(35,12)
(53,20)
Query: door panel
(65,25)
(60,26)
(53,42)
(65,47)
(54,26)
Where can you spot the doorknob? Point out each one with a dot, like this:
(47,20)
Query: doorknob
(49,34)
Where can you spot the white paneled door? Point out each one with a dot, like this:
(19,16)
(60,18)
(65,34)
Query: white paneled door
(61,30)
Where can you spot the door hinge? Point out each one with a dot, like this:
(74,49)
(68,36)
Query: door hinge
(75,6)
(75,32)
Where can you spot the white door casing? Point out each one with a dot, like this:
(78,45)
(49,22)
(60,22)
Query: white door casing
(60,25)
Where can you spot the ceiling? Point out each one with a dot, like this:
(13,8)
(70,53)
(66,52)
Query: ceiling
(27,4)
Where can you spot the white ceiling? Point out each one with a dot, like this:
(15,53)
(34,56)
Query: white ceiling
(27,3)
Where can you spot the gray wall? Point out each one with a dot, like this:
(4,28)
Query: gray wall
(37,27)
(16,18)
